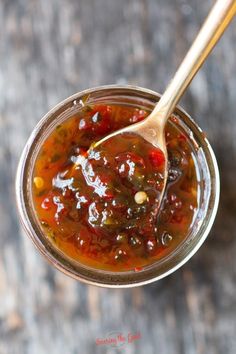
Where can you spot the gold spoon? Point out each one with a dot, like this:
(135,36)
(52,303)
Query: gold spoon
(152,128)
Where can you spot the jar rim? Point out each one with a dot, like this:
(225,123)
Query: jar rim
(79,271)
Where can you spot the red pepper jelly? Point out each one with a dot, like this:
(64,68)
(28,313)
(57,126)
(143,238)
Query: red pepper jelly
(100,206)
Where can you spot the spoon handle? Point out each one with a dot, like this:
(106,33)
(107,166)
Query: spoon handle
(214,26)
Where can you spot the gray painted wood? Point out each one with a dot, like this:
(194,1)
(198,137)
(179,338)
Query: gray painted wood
(49,50)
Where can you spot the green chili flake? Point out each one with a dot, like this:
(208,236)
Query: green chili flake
(85,99)
(88,108)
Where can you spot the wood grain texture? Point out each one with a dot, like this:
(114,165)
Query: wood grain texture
(49,50)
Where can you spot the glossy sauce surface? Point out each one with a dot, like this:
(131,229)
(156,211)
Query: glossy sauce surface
(101,207)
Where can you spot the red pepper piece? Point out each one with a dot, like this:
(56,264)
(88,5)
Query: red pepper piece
(138,115)
(101,120)
(108,195)
(83,238)
(138,269)
(182,137)
(82,152)
(157,158)
(177,218)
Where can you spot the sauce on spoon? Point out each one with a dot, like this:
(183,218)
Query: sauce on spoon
(100,206)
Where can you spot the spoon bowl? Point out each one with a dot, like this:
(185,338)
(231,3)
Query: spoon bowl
(151,130)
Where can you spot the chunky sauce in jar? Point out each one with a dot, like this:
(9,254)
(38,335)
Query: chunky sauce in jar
(101,209)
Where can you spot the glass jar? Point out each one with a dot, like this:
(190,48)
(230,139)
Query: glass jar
(208,193)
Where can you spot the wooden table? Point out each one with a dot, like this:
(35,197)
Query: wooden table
(49,50)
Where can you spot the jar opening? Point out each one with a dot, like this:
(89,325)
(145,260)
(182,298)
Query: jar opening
(208,192)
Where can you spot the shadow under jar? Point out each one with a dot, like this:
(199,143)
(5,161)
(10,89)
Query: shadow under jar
(174,243)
